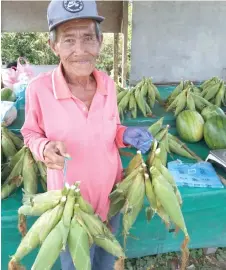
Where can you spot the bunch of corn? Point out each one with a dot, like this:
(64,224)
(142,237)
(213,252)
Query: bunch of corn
(214,91)
(158,185)
(65,219)
(170,143)
(142,97)
(22,168)
(186,96)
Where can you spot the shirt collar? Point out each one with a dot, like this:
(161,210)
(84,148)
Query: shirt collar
(61,89)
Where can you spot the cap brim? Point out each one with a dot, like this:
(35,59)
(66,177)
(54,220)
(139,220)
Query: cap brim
(96,18)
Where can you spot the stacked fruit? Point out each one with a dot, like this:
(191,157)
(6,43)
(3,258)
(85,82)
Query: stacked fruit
(142,97)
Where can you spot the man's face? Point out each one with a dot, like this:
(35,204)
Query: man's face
(77,46)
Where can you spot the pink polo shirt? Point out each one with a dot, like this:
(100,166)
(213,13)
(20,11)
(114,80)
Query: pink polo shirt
(92,137)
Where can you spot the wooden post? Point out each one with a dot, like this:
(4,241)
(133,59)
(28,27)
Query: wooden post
(116,43)
(124,42)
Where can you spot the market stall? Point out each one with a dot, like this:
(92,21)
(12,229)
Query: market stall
(205,221)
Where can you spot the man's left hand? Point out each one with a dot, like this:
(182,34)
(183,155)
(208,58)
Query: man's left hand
(140,138)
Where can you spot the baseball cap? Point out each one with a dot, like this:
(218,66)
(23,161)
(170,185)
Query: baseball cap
(60,11)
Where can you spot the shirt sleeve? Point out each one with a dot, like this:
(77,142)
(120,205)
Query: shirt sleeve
(33,134)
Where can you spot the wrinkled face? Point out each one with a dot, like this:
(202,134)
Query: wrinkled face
(77,46)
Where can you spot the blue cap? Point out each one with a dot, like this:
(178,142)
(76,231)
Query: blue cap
(60,11)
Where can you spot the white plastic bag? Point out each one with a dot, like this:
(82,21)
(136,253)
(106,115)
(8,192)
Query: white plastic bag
(8,112)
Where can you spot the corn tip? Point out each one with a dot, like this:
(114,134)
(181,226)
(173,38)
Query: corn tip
(63,199)
(73,187)
(157,151)
(146,175)
(67,185)
(144,165)
(139,152)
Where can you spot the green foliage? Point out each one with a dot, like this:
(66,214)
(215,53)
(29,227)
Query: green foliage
(33,46)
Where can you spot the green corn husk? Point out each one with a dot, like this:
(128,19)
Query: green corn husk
(42,170)
(68,214)
(85,206)
(37,234)
(95,226)
(37,209)
(151,155)
(111,246)
(14,180)
(121,95)
(102,236)
(151,96)
(181,105)
(43,184)
(163,150)
(150,193)
(8,146)
(156,127)
(168,200)
(15,139)
(50,249)
(220,95)
(122,187)
(42,198)
(175,92)
(168,176)
(78,244)
(136,161)
(5,172)
(115,208)
(178,149)
(159,136)
(190,102)
(30,175)
(212,91)
(134,203)
(140,102)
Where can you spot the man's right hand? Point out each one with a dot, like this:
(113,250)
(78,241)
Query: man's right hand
(54,155)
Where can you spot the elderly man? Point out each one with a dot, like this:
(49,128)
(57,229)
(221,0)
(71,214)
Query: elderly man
(72,111)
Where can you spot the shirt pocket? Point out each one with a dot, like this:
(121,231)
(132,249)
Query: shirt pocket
(109,130)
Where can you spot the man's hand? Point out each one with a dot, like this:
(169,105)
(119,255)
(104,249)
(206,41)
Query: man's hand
(140,138)
(54,154)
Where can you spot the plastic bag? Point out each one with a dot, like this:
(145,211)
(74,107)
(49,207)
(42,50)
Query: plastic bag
(22,73)
(8,112)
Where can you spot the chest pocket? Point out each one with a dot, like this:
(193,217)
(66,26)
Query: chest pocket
(109,130)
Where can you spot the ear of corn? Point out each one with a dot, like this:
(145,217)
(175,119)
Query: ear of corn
(175,92)
(15,139)
(140,102)
(8,146)
(212,91)
(37,209)
(78,243)
(159,136)
(190,102)
(136,161)
(151,95)
(42,170)
(111,246)
(168,176)
(220,95)
(151,155)
(115,208)
(121,95)
(178,149)
(135,199)
(168,199)
(84,205)
(150,193)
(30,173)
(42,198)
(156,127)
(50,249)
(13,181)
(181,105)
(67,215)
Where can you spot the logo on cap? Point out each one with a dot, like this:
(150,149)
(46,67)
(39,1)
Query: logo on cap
(73,6)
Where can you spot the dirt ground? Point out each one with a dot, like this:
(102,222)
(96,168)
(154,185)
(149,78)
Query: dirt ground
(171,261)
